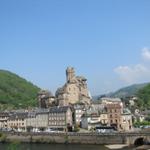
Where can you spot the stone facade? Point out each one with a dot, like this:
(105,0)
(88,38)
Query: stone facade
(3,119)
(45,99)
(60,118)
(126,122)
(79,110)
(37,120)
(114,112)
(90,121)
(74,91)
(17,121)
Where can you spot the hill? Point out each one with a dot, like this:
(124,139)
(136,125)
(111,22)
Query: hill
(124,92)
(16,92)
(128,91)
(144,97)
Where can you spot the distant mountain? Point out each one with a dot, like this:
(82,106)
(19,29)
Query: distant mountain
(128,91)
(16,92)
(124,92)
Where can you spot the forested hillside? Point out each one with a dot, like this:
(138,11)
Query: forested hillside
(144,97)
(16,92)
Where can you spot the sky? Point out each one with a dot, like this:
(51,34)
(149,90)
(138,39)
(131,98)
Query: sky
(107,41)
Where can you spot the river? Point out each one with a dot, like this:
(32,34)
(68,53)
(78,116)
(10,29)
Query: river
(51,147)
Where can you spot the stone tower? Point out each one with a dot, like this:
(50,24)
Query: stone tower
(70,74)
(74,90)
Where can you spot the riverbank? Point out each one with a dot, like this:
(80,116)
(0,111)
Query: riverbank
(74,138)
(63,138)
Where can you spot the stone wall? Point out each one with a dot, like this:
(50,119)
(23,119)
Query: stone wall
(66,138)
(76,138)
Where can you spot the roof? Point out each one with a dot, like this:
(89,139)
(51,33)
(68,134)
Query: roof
(79,106)
(18,116)
(4,114)
(37,112)
(111,106)
(126,111)
(111,99)
(59,91)
(81,78)
(46,93)
(42,111)
(59,109)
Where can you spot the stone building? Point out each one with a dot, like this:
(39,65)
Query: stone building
(126,122)
(3,119)
(79,110)
(60,118)
(46,99)
(104,118)
(90,121)
(74,91)
(37,120)
(114,112)
(108,100)
(17,121)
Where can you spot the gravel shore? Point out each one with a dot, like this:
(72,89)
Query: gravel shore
(116,146)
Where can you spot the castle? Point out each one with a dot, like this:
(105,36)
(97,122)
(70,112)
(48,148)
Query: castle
(74,91)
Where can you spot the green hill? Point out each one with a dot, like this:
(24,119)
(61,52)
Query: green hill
(144,97)
(128,91)
(16,92)
(123,92)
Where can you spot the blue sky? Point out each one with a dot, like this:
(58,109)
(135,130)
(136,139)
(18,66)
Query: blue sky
(107,41)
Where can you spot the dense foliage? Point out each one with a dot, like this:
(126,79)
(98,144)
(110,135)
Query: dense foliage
(141,124)
(144,97)
(16,92)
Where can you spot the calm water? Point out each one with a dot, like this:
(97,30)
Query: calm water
(52,147)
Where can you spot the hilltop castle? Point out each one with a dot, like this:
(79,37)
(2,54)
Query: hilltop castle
(74,91)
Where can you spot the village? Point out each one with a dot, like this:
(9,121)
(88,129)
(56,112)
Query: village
(72,110)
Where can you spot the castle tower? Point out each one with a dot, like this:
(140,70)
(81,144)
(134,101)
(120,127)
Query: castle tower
(74,90)
(70,74)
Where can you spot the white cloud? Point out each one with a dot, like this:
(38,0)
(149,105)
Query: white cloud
(137,73)
(130,75)
(146,53)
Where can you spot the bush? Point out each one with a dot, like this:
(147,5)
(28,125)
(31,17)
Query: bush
(76,129)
